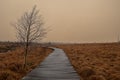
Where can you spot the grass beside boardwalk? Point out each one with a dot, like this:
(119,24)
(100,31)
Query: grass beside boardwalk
(95,61)
(11,62)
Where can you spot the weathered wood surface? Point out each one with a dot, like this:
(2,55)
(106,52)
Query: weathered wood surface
(55,67)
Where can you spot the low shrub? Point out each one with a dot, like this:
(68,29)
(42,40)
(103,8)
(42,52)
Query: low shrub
(96,77)
(87,72)
(8,75)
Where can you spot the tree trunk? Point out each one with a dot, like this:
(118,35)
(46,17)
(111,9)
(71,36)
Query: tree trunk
(25,57)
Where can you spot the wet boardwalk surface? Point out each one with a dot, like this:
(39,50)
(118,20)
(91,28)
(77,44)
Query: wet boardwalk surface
(55,67)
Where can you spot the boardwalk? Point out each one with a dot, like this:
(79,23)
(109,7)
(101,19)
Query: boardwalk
(55,67)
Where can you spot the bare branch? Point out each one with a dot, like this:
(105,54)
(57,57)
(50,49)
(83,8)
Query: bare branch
(30,26)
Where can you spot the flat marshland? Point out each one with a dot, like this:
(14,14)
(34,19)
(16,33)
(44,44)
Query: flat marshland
(97,61)
(11,61)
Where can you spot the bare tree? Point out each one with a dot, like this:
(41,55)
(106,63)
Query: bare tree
(29,29)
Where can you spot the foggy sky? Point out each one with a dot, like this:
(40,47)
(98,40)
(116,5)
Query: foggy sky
(69,20)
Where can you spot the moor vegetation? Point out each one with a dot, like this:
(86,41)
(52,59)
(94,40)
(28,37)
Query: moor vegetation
(95,61)
(11,62)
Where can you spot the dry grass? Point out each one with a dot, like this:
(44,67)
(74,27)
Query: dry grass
(11,62)
(95,61)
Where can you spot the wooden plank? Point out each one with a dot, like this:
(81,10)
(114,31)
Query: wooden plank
(55,67)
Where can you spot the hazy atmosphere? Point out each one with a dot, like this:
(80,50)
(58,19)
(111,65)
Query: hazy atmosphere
(69,20)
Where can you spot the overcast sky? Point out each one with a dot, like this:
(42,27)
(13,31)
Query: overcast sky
(69,20)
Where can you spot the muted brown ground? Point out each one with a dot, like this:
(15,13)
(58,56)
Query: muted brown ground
(11,62)
(95,61)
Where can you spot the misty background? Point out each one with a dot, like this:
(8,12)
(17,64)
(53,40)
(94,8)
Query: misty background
(69,20)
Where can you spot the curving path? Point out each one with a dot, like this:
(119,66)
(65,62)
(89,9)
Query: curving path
(55,67)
